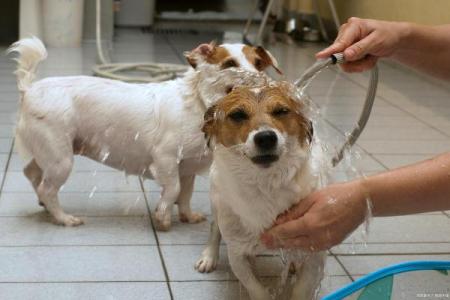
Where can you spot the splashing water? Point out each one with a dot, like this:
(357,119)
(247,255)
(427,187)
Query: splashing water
(91,194)
(307,77)
(104,154)
(128,208)
(180,153)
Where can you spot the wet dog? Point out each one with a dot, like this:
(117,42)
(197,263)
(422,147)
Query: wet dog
(151,130)
(261,141)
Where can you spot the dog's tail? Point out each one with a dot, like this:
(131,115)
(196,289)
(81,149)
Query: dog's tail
(31,51)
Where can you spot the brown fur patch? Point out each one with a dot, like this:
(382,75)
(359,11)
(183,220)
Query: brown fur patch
(260,108)
(259,57)
(218,55)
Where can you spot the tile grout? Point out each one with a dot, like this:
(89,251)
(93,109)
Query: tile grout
(155,235)
(5,172)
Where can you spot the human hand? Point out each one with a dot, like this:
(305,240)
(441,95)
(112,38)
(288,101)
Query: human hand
(321,220)
(363,41)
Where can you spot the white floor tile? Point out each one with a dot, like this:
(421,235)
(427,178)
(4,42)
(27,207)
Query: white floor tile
(80,264)
(84,290)
(80,204)
(39,230)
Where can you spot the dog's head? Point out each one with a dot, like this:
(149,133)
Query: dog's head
(217,69)
(232,56)
(263,124)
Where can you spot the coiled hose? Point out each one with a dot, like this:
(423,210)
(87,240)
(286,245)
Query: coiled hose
(156,71)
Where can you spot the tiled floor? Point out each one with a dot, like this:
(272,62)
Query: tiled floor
(118,255)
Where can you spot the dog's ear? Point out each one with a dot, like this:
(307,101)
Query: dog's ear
(267,59)
(209,122)
(203,50)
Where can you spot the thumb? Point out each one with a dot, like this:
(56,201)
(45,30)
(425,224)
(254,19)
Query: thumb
(360,49)
(295,212)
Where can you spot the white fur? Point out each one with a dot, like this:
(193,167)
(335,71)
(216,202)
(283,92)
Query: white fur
(151,130)
(247,199)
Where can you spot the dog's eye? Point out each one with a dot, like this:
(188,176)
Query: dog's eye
(238,116)
(280,111)
(229,89)
(229,64)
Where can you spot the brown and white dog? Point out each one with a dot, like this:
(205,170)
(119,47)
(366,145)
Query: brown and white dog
(261,167)
(151,130)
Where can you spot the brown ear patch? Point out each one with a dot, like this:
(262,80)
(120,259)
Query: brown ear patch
(204,50)
(260,58)
(218,55)
(209,122)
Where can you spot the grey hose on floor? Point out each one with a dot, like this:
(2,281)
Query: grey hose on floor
(156,71)
(338,58)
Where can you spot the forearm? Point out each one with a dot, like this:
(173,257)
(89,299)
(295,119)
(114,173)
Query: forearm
(418,188)
(426,48)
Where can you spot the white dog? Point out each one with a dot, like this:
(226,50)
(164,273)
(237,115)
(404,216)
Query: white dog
(151,130)
(261,167)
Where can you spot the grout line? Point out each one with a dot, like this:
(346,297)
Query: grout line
(166,273)
(2,184)
(174,49)
(342,266)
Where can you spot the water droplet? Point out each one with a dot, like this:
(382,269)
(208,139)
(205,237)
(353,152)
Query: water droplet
(104,154)
(91,194)
(136,137)
(179,154)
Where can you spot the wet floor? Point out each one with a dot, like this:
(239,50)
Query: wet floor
(117,254)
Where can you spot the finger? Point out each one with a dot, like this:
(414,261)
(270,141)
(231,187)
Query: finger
(347,36)
(289,229)
(360,65)
(361,48)
(295,212)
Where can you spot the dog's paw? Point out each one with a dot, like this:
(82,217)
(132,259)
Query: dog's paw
(68,220)
(162,222)
(192,218)
(206,264)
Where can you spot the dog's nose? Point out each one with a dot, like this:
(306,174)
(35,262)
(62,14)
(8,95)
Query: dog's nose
(266,140)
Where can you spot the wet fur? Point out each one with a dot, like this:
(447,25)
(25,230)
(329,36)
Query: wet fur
(247,198)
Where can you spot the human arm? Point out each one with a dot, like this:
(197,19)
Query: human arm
(363,41)
(326,217)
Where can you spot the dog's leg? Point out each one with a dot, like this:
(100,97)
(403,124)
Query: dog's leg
(34,175)
(210,255)
(309,277)
(55,174)
(184,201)
(243,270)
(166,174)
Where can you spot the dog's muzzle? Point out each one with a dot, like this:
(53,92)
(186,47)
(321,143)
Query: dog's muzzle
(266,143)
